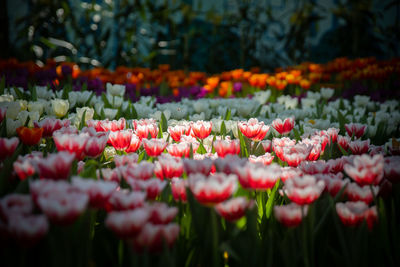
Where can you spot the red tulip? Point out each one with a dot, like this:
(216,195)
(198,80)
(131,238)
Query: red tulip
(366,170)
(303,190)
(226,147)
(168,167)
(127,224)
(178,188)
(30,136)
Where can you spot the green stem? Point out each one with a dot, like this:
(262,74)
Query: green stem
(216,260)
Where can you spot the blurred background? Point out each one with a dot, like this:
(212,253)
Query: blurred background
(210,36)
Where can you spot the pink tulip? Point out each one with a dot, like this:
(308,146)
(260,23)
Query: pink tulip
(153,237)
(125,200)
(225,147)
(49,125)
(95,145)
(98,191)
(359,147)
(73,143)
(56,166)
(213,189)
(366,170)
(303,190)
(125,159)
(355,192)
(180,150)
(28,229)
(7,147)
(160,213)
(290,215)
(127,224)
(234,209)
(353,213)
(178,188)
(264,159)
(168,167)
(257,176)
(253,129)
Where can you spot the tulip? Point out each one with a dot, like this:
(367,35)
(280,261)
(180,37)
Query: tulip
(153,187)
(30,136)
(343,142)
(290,215)
(126,159)
(314,167)
(63,207)
(59,107)
(15,204)
(95,145)
(154,147)
(72,143)
(28,229)
(125,200)
(202,129)
(129,223)
(253,129)
(49,125)
(213,189)
(283,127)
(177,131)
(121,140)
(353,213)
(7,147)
(168,167)
(392,169)
(359,147)
(355,129)
(294,155)
(181,149)
(98,191)
(160,213)
(289,173)
(257,176)
(134,144)
(234,209)
(355,192)
(55,166)
(198,166)
(226,147)
(153,237)
(107,174)
(264,159)
(303,190)
(142,171)
(178,188)
(3,111)
(143,130)
(366,170)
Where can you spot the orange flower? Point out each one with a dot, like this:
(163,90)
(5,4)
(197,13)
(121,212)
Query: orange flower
(305,84)
(237,74)
(281,84)
(164,67)
(30,136)
(212,82)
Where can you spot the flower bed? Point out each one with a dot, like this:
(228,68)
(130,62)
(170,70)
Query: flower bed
(100,180)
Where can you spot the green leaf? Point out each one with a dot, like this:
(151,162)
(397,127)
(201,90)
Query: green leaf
(342,121)
(344,152)
(89,99)
(257,113)
(141,156)
(271,199)
(105,100)
(32,89)
(134,113)
(223,129)
(201,149)
(82,123)
(163,123)
(2,85)
(191,151)
(20,94)
(228,114)
(243,147)
(66,90)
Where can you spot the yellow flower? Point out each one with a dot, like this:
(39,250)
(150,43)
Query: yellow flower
(60,107)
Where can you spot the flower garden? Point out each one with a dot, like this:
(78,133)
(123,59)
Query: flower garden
(160,167)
